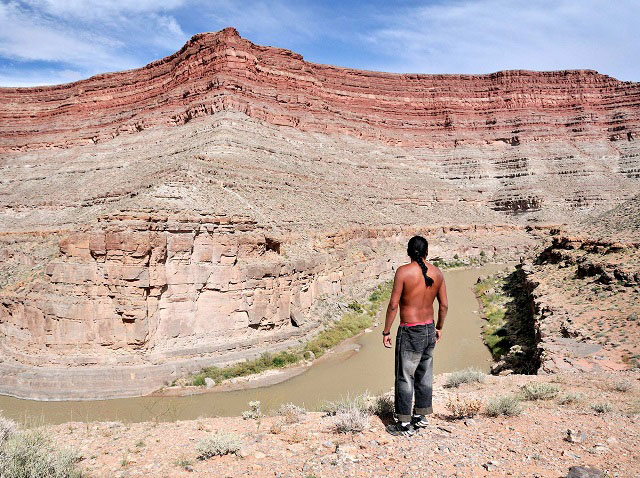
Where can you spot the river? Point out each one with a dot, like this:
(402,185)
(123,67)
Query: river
(370,368)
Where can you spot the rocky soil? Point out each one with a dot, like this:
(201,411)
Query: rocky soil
(533,444)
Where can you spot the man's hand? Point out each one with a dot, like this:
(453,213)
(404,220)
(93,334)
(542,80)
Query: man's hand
(386,340)
(438,335)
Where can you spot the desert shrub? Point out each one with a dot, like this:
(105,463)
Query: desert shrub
(183,462)
(291,413)
(31,453)
(539,391)
(218,443)
(198,380)
(351,420)
(622,386)
(8,428)
(356,307)
(254,411)
(508,405)
(464,408)
(383,406)
(361,402)
(467,375)
(601,407)
(570,397)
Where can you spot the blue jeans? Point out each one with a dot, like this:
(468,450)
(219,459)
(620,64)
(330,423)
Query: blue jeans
(414,370)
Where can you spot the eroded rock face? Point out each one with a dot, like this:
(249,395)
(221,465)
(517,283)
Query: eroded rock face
(156,296)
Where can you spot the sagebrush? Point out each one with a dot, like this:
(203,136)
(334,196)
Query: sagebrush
(219,443)
(467,375)
(508,405)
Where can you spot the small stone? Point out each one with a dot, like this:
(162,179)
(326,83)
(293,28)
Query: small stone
(189,468)
(569,454)
(328,444)
(575,436)
(470,422)
(612,440)
(491,465)
(209,382)
(259,455)
(244,451)
(584,472)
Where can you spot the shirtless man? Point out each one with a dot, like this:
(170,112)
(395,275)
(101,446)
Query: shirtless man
(415,286)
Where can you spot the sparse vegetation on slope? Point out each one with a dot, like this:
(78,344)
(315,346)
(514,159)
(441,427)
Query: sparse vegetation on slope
(509,332)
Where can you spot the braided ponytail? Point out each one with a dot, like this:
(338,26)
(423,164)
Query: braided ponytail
(417,249)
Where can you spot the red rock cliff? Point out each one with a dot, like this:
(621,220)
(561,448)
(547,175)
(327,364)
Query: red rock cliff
(223,71)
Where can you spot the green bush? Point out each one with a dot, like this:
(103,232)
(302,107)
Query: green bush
(344,404)
(507,405)
(539,391)
(601,407)
(570,397)
(254,411)
(383,406)
(351,420)
(356,307)
(291,413)
(31,454)
(467,375)
(219,443)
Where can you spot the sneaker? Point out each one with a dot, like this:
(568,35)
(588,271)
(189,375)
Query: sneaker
(397,429)
(419,421)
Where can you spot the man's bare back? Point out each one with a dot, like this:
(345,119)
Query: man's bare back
(415,298)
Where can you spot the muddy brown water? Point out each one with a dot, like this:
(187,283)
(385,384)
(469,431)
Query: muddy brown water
(370,368)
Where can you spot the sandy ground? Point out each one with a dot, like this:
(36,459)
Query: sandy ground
(532,444)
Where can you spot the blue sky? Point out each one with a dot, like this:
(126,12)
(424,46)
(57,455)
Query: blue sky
(57,41)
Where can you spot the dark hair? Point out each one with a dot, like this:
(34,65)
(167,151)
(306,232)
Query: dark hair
(417,250)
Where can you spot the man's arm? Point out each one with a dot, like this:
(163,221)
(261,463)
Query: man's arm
(443,307)
(392,308)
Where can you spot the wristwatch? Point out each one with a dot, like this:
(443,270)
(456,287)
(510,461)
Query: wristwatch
(384,334)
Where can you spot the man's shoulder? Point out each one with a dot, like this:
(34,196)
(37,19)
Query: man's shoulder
(435,269)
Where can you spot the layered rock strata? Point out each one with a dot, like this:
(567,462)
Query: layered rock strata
(147,297)
(197,210)
(223,71)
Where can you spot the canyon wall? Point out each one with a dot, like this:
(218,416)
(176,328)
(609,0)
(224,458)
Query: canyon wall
(148,297)
(223,71)
(202,209)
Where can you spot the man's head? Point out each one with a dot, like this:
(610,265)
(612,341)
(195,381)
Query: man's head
(418,248)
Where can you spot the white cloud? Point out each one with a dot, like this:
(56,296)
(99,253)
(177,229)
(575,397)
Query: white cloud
(100,9)
(439,36)
(490,35)
(85,37)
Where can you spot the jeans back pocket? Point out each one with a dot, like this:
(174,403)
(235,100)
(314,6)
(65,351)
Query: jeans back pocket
(414,338)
